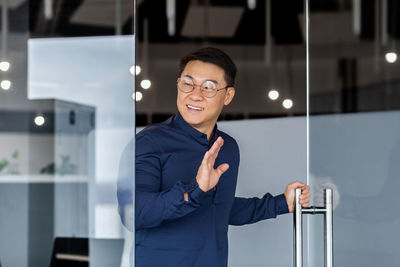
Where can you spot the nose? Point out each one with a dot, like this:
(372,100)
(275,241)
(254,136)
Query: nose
(196,94)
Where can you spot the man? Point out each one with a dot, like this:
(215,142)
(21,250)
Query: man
(186,174)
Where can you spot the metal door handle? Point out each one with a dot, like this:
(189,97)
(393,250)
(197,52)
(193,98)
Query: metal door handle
(327,211)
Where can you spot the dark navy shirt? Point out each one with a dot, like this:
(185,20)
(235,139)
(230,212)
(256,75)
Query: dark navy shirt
(171,232)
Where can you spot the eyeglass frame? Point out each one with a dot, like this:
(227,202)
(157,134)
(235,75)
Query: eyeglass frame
(201,89)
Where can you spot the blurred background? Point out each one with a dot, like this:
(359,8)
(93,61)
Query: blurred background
(317,99)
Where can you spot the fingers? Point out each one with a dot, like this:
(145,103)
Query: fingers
(298,184)
(216,147)
(304,199)
(222,168)
(216,144)
(206,157)
(212,153)
(207,177)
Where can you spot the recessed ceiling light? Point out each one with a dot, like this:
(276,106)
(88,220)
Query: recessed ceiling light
(4,65)
(287,103)
(39,120)
(5,84)
(138,96)
(145,84)
(138,70)
(391,57)
(135,70)
(273,94)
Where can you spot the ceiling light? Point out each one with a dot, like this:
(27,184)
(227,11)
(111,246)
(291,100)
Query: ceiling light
(138,70)
(145,84)
(273,94)
(138,96)
(391,57)
(135,70)
(251,4)
(132,70)
(5,84)
(287,103)
(4,65)
(39,120)
(171,10)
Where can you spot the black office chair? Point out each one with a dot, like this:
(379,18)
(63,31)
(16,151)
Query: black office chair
(70,252)
(75,252)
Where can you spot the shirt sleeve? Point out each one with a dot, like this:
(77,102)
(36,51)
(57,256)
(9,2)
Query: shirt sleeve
(251,210)
(152,205)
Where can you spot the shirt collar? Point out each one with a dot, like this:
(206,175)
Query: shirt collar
(199,136)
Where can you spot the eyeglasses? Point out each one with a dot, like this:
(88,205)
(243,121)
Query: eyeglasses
(207,88)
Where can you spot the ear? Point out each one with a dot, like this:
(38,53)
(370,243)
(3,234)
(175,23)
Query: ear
(230,93)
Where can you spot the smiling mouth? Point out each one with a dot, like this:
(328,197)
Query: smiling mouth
(194,107)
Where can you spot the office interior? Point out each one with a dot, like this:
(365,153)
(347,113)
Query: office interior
(317,100)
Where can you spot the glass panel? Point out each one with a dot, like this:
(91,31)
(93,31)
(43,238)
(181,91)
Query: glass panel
(66,116)
(354,128)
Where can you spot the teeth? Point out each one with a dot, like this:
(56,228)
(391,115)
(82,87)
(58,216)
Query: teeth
(193,107)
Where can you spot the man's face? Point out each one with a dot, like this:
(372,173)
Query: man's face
(197,110)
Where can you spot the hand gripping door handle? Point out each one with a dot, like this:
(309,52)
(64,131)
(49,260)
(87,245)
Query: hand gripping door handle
(327,211)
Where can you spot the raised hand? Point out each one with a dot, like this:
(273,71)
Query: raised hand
(208,177)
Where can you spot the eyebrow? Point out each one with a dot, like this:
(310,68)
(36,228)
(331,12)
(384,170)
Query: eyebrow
(214,81)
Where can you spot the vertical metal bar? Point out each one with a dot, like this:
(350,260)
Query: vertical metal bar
(377,46)
(328,228)
(357,17)
(118,17)
(171,16)
(307,31)
(48,9)
(298,232)
(307,25)
(268,41)
(4,30)
(384,18)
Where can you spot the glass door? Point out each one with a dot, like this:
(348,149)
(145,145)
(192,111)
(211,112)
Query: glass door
(66,116)
(354,129)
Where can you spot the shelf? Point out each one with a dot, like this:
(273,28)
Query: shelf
(19,179)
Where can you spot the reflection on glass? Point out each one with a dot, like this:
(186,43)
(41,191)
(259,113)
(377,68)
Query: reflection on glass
(5,84)
(138,69)
(138,96)
(4,65)
(61,144)
(39,120)
(110,113)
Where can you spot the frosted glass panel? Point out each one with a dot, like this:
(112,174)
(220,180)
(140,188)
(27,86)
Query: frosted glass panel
(358,155)
(87,70)
(83,90)
(354,127)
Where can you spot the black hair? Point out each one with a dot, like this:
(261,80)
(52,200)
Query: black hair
(215,56)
